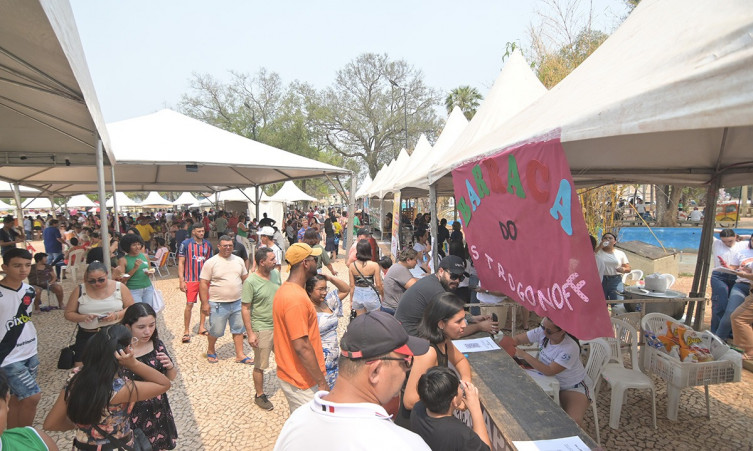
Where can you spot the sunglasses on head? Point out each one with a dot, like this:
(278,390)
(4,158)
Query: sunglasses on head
(458,277)
(98,280)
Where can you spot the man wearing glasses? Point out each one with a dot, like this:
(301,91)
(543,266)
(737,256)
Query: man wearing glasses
(376,353)
(411,307)
(220,285)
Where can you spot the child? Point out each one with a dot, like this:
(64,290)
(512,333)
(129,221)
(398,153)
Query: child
(18,339)
(154,415)
(441,392)
(42,277)
(26,438)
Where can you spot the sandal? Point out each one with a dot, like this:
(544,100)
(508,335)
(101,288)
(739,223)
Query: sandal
(186,338)
(212,358)
(204,332)
(245,361)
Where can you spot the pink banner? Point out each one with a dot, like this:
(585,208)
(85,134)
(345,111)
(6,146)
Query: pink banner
(527,236)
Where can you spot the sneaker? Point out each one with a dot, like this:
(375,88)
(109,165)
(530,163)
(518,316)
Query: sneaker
(263,402)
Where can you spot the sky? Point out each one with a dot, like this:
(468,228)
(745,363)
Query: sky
(142,54)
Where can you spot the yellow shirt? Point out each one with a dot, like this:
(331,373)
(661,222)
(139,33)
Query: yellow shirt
(145,231)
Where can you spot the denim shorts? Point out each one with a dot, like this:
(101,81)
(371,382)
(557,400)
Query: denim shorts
(145,295)
(365,298)
(22,377)
(221,313)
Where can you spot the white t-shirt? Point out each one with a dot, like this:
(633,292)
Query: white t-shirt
(277,251)
(743,258)
(607,263)
(224,276)
(10,301)
(695,215)
(719,249)
(487,298)
(566,354)
(326,426)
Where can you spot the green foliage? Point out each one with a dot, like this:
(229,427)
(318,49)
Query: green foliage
(553,67)
(466,98)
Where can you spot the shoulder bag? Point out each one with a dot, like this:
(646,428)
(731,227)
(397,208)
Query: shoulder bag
(140,442)
(68,354)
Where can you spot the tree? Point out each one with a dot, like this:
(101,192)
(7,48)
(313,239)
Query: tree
(361,115)
(466,98)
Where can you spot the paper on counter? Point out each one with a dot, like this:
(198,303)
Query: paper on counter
(476,345)
(558,444)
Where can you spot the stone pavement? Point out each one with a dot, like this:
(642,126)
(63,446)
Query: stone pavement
(214,409)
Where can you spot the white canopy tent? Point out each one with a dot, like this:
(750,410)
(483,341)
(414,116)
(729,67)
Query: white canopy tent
(39,203)
(364,186)
(80,201)
(380,175)
(289,193)
(6,190)
(6,207)
(666,99)
(123,201)
(384,186)
(155,200)
(421,155)
(186,198)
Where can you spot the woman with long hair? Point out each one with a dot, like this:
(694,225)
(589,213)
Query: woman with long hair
(153,416)
(443,321)
(96,303)
(559,356)
(134,266)
(95,398)
(329,235)
(329,310)
(365,281)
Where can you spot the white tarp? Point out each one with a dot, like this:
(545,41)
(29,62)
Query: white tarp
(123,201)
(653,102)
(155,200)
(289,193)
(361,192)
(6,207)
(420,156)
(381,189)
(40,203)
(367,192)
(186,198)
(80,201)
(6,190)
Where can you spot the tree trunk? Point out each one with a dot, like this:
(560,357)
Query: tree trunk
(666,205)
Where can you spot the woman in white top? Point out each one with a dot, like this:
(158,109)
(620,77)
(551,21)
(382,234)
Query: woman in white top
(743,261)
(422,248)
(96,303)
(612,264)
(723,250)
(559,356)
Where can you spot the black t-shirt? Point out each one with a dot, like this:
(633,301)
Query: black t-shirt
(7,236)
(411,307)
(445,433)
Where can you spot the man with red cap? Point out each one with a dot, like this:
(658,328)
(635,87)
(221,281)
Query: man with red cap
(376,353)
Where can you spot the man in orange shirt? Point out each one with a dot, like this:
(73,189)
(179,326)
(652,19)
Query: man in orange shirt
(297,343)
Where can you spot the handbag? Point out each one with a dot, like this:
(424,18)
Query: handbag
(140,442)
(68,353)
(158,302)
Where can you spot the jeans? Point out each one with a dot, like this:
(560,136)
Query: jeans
(145,295)
(55,260)
(721,285)
(736,298)
(612,286)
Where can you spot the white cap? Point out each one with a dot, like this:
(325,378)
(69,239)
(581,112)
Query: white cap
(267,231)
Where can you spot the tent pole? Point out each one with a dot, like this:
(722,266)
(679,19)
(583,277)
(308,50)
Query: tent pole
(350,236)
(19,206)
(257,197)
(103,230)
(380,220)
(115,215)
(434,225)
(700,278)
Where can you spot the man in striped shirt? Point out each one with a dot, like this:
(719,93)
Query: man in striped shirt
(192,253)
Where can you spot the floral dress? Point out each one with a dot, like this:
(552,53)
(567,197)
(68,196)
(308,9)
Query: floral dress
(154,416)
(328,330)
(115,423)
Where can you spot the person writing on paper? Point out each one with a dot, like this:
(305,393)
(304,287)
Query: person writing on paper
(723,278)
(612,264)
(559,356)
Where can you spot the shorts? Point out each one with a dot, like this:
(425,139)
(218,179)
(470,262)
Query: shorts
(22,377)
(261,352)
(145,295)
(580,387)
(221,313)
(192,292)
(297,396)
(365,298)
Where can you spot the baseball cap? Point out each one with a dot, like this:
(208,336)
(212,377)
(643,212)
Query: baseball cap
(363,231)
(453,264)
(297,252)
(376,333)
(267,231)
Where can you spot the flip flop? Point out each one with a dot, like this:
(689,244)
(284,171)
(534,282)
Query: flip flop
(186,338)
(245,361)
(204,332)
(212,358)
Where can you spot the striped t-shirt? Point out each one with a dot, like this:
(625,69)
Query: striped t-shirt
(195,253)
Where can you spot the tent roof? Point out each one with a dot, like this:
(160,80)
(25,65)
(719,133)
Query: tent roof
(6,207)
(80,201)
(50,111)
(154,152)
(653,102)
(6,190)
(368,192)
(238,195)
(39,203)
(361,192)
(384,186)
(154,199)
(291,193)
(186,198)
(123,200)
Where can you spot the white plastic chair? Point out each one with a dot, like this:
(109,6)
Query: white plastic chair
(159,262)
(599,355)
(76,261)
(620,378)
(249,247)
(633,276)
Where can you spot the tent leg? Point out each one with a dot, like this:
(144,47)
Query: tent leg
(434,225)
(115,215)
(350,236)
(257,196)
(19,206)
(700,277)
(379,220)
(104,231)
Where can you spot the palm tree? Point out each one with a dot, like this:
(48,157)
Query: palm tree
(464,97)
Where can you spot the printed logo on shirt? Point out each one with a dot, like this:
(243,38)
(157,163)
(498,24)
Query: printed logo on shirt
(565,357)
(17,321)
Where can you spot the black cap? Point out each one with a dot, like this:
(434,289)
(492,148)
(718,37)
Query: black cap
(363,231)
(376,333)
(453,264)
(8,218)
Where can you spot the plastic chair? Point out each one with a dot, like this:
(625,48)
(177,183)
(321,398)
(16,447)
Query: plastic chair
(249,248)
(172,259)
(159,261)
(620,378)
(76,261)
(599,355)
(633,276)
